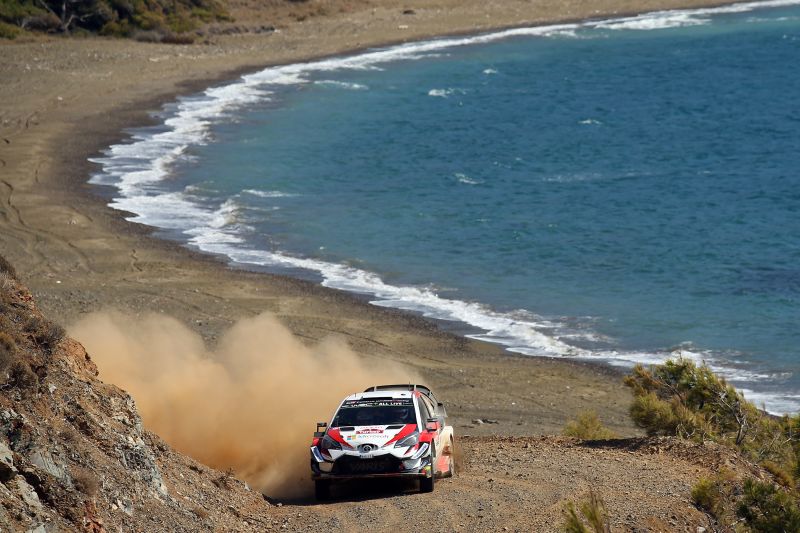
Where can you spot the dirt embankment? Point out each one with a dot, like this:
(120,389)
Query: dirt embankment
(74,453)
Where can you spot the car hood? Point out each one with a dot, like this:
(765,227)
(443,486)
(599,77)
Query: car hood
(379,436)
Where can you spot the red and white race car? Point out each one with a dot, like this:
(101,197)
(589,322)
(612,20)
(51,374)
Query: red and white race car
(385,431)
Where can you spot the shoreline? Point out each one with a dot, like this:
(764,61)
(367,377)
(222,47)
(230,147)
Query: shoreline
(68,245)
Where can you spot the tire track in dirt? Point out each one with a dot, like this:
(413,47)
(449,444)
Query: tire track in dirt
(524,483)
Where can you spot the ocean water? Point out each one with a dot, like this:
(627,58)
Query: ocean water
(622,190)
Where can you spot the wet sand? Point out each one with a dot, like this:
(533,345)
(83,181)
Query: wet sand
(63,101)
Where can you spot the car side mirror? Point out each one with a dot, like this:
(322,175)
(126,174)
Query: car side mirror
(321,427)
(432,424)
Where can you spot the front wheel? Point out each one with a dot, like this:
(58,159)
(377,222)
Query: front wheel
(322,489)
(426,483)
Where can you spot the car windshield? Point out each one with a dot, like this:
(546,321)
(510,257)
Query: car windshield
(382,412)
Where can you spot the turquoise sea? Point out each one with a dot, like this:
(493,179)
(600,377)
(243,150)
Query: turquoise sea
(622,190)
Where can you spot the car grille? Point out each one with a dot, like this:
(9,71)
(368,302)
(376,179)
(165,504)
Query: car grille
(355,466)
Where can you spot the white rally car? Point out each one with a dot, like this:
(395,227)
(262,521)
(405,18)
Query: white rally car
(385,431)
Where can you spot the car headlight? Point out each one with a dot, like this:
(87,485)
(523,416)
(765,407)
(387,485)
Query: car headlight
(329,444)
(409,441)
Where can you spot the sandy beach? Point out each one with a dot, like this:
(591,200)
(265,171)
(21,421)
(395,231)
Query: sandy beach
(65,100)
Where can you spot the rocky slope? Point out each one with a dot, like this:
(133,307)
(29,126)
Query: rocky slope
(74,454)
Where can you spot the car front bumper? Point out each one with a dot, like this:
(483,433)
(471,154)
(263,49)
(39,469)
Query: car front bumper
(418,465)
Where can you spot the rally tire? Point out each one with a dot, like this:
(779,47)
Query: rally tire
(426,483)
(322,489)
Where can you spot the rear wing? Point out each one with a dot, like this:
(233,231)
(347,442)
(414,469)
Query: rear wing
(406,386)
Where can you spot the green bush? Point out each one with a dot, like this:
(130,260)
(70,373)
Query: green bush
(766,508)
(15,11)
(683,399)
(8,31)
(588,427)
(110,17)
(707,495)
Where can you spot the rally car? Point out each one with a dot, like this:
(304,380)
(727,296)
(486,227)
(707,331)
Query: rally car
(385,431)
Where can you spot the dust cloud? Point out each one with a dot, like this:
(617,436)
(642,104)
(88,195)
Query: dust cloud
(249,405)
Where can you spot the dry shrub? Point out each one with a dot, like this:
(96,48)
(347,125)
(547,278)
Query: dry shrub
(161,35)
(224,481)
(178,38)
(7,282)
(588,427)
(8,288)
(44,332)
(8,351)
(7,267)
(22,376)
(68,436)
(593,516)
(85,481)
(148,36)
(780,474)
(707,495)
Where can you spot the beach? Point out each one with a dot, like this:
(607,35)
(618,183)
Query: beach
(64,101)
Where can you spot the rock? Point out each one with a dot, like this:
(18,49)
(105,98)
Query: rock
(20,487)
(409,12)
(43,460)
(136,456)
(7,469)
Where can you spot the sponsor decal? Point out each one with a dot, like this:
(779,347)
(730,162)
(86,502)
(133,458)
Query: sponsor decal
(369,431)
(378,402)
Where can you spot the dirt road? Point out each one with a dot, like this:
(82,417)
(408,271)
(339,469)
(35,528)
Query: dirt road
(523,484)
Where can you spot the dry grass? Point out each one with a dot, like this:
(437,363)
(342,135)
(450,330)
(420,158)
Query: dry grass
(200,512)
(593,517)
(7,268)
(8,351)
(43,332)
(85,481)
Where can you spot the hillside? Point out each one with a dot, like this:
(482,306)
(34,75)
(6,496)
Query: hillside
(170,21)
(74,454)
